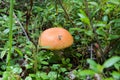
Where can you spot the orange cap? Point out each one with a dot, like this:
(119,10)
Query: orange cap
(55,39)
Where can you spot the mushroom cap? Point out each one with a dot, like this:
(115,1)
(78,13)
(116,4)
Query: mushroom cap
(55,38)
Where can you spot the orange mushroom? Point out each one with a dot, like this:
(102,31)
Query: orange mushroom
(56,38)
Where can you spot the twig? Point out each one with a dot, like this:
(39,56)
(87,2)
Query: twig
(91,51)
(21,26)
(95,34)
(67,15)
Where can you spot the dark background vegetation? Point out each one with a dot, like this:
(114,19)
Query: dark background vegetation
(94,55)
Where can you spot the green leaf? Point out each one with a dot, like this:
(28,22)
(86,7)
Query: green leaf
(109,78)
(6,31)
(92,63)
(28,78)
(63,69)
(89,33)
(99,68)
(86,72)
(115,21)
(44,62)
(83,17)
(105,18)
(116,2)
(19,52)
(37,9)
(2,54)
(6,75)
(101,32)
(77,37)
(116,75)
(76,29)
(113,36)
(117,66)
(100,24)
(93,3)
(94,66)
(110,62)
(43,75)
(52,75)
(17,70)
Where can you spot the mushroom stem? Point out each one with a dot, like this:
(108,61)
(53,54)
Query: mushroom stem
(57,56)
(35,51)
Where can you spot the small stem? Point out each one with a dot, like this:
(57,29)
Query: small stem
(92,28)
(11,32)
(91,51)
(35,52)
